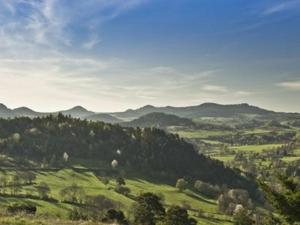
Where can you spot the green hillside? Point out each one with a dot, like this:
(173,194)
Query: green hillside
(76,164)
(92,185)
(150,151)
(159,120)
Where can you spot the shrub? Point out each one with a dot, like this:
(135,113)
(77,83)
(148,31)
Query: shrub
(120,181)
(228,201)
(43,190)
(22,208)
(181,184)
(148,210)
(73,193)
(113,215)
(122,190)
(178,216)
(85,214)
(186,205)
(207,189)
(104,180)
(100,202)
(242,217)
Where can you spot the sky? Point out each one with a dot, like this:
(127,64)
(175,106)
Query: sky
(111,55)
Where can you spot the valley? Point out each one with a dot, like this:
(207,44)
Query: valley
(73,168)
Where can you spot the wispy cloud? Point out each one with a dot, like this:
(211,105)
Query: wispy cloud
(92,42)
(51,22)
(244,93)
(281,6)
(291,85)
(215,88)
(41,56)
(113,83)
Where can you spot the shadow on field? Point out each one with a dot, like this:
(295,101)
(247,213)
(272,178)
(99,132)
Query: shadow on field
(198,198)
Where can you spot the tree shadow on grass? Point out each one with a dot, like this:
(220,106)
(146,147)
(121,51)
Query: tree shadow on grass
(199,198)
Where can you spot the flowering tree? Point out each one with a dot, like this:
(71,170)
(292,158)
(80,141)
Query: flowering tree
(65,157)
(114,164)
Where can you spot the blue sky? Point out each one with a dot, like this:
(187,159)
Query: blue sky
(110,55)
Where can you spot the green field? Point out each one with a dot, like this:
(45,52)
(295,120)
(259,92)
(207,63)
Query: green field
(291,158)
(57,180)
(226,158)
(21,220)
(202,133)
(256,148)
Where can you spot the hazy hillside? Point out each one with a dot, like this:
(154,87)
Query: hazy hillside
(77,112)
(191,112)
(106,118)
(159,120)
(24,111)
(203,110)
(5,112)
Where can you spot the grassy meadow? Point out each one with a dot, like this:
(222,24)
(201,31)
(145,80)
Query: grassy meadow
(201,208)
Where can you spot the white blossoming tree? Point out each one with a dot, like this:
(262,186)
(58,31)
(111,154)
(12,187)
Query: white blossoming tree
(65,157)
(114,164)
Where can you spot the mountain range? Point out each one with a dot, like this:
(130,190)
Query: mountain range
(190,112)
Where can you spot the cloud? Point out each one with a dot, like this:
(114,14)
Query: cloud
(291,85)
(91,43)
(56,24)
(41,58)
(61,81)
(215,88)
(244,93)
(281,6)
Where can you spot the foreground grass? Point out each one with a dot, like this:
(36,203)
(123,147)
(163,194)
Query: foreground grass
(21,220)
(57,180)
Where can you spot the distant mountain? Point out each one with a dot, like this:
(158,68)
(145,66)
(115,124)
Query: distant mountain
(77,112)
(203,110)
(106,118)
(5,112)
(18,112)
(190,112)
(24,111)
(159,120)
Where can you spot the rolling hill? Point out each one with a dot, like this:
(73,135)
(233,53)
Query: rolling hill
(150,151)
(75,112)
(104,117)
(159,120)
(203,110)
(212,110)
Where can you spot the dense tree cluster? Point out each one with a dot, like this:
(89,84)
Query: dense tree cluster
(159,120)
(233,199)
(286,199)
(254,139)
(150,151)
(207,189)
(150,211)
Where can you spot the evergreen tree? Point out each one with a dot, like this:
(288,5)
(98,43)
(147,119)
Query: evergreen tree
(148,210)
(287,201)
(178,216)
(43,190)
